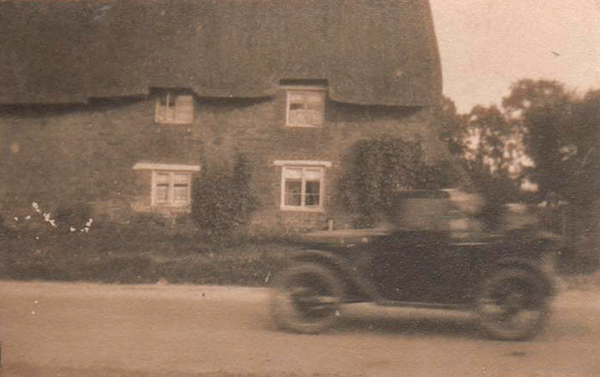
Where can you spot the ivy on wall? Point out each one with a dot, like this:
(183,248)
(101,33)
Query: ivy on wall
(375,169)
(222,200)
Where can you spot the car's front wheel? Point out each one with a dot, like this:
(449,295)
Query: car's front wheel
(306,299)
(512,305)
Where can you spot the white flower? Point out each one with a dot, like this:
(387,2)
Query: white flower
(35,205)
(72,229)
(46,216)
(89,223)
(28,217)
(16,218)
(53,223)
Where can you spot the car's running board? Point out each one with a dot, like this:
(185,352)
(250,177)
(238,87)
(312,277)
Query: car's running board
(423,305)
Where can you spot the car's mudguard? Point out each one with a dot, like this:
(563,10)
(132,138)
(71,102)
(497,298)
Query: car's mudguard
(356,286)
(532,266)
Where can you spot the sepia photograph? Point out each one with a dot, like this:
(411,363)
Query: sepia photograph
(299,188)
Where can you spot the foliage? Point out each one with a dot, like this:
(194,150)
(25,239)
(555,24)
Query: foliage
(543,134)
(562,131)
(487,147)
(73,215)
(377,168)
(117,255)
(223,201)
(561,136)
(452,126)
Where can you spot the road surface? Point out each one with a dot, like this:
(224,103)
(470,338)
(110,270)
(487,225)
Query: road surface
(68,330)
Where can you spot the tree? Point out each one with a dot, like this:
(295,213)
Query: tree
(486,145)
(562,131)
(560,135)
(579,150)
(452,126)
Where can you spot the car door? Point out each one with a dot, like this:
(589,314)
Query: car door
(422,266)
(401,267)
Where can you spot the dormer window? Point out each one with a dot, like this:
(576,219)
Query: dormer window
(305,106)
(174,108)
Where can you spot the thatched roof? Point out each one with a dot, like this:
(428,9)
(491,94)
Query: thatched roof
(372,52)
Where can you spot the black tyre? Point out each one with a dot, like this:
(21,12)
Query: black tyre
(513,305)
(306,299)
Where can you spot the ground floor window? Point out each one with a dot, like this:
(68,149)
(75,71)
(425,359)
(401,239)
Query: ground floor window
(171,188)
(171,185)
(302,187)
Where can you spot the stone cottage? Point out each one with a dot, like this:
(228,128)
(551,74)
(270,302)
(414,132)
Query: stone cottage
(122,103)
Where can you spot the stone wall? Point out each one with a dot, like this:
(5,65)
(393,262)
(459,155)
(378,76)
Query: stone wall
(85,154)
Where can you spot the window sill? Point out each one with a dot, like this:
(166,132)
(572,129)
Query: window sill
(170,123)
(301,209)
(171,207)
(303,126)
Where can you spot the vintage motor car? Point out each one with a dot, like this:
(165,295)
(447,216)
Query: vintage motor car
(434,254)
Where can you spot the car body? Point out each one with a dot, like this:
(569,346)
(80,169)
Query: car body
(435,255)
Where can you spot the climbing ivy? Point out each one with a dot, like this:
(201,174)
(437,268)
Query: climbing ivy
(222,200)
(375,170)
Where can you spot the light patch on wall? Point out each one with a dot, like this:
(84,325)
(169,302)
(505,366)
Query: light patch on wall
(15,148)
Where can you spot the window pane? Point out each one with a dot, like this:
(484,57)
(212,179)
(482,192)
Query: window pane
(313,191)
(170,113)
(312,174)
(161,108)
(162,100)
(315,100)
(181,178)
(293,173)
(184,100)
(180,193)
(185,108)
(296,97)
(298,117)
(161,193)
(162,177)
(171,100)
(293,192)
(306,117)
(316,118)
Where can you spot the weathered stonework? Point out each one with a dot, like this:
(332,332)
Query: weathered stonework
(79,82)
(54,155)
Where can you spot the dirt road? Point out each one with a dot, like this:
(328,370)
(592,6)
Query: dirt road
(59,329)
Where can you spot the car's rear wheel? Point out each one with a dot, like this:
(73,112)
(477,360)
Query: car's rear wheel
(306,299)
(512,305)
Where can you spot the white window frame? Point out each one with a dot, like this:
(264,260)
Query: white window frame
(166,96)
(309,165)
(289,90)
(171,189)
(171,170)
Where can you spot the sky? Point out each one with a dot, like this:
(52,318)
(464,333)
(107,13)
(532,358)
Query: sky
(486,45)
